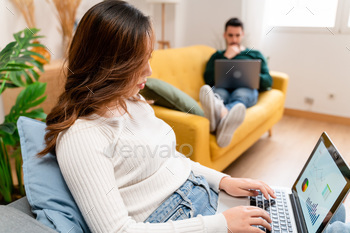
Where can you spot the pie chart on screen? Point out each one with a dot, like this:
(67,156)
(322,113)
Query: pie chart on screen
(305,185)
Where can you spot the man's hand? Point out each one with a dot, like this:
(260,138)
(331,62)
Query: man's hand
(239,187)
(241,218)
(232,51)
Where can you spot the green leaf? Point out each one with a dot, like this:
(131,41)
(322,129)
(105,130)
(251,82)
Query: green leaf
(11,117)
(33,54)
(29,79)
(17,107)
(7,50)
(11,69)
(36,102)
(36,114)
(15,77)
(38,64)
(27,37)
(23,59)
(31,31)
(6,184)
(29,95)
(18,164)
(5,57)
(9,85)
(7,128)
(28,98)
(11,139)
(37,45)
(37,37)
(20,65)
(8,47)
(34,74)
(17,37)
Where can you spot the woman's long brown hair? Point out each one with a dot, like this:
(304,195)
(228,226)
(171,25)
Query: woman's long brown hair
(109,50)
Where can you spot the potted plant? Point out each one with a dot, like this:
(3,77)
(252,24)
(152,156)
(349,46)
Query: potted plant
(18,69)
(27,8)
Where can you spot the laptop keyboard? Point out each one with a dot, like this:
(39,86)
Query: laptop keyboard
(278,210)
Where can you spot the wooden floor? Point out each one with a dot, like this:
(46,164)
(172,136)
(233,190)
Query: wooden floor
(277,160)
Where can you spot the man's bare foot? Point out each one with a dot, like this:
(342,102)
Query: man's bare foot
(224,112)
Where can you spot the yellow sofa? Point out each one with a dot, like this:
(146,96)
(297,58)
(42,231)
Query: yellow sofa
(184,68)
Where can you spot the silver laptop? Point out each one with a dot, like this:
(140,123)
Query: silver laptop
(320,188)
(233,74)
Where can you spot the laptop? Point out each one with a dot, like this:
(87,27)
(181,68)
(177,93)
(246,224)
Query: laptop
(320,188)
(233,74)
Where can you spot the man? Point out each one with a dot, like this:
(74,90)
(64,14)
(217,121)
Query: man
(224,108)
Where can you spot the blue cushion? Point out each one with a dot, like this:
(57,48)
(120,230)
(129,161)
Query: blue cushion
(46,190)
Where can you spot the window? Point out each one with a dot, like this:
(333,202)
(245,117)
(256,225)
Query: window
(302,13)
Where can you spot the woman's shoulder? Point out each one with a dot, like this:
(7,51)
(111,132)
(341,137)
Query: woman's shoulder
(93,127)
(95,122)
(139,103)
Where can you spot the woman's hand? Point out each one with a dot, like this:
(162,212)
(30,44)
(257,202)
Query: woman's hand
(241,218)
(239,187)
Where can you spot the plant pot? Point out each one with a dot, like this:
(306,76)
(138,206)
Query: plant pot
(42,51)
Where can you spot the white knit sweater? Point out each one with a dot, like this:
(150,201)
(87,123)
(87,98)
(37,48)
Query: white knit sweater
(120,169)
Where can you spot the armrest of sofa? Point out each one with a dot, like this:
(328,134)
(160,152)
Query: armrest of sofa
(280,81)
(13,220)
(190,130)
(22,205)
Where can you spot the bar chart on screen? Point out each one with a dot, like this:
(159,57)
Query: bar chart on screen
(312,209)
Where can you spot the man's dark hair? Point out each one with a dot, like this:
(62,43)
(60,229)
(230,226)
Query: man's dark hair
(235,22)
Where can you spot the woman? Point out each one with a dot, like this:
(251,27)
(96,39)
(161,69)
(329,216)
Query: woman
(107,140)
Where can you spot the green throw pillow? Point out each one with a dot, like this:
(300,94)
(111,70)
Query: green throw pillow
(166,95)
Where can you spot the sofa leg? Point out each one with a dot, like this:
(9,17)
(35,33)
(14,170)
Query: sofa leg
(270,132)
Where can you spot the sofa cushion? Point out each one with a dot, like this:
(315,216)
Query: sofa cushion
(182,67)
(22,205)
(166,95)
(47,193)
(13,220)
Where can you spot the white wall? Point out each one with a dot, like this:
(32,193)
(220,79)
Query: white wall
(202,21)
(191,22)
(318,66)
(317,63)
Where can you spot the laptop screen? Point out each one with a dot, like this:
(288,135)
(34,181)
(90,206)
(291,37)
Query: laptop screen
(320,186)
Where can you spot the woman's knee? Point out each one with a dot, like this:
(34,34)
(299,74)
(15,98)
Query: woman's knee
(339,215)
(337,223)
(337,227)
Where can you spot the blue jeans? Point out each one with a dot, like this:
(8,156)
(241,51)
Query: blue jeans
(195,197)
(192,198)
(337,223)
(243,95)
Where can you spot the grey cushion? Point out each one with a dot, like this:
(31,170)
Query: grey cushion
(23,206)
(15,221)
